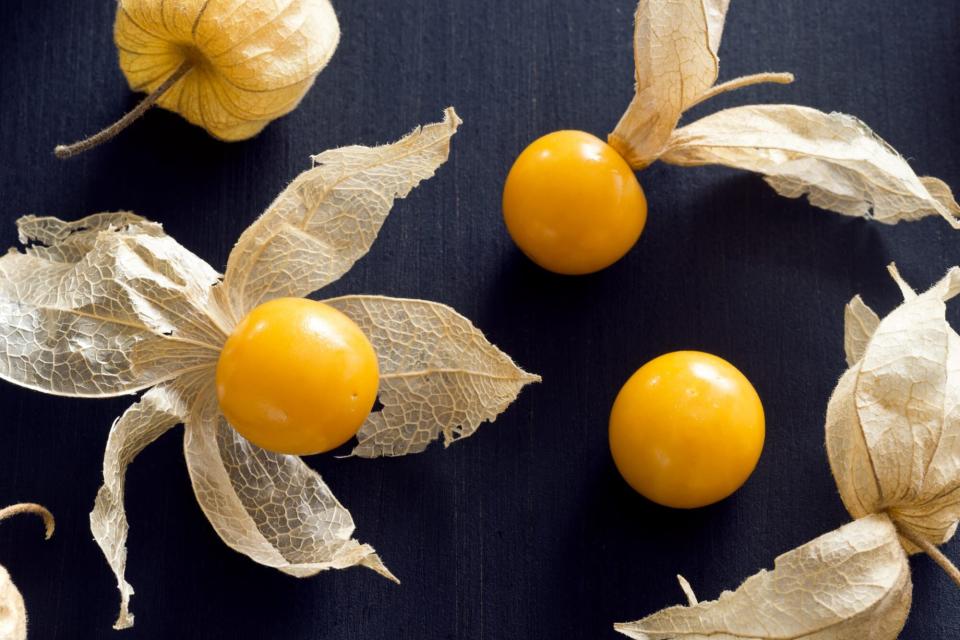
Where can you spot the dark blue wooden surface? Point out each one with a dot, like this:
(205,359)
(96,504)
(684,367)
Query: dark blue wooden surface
(525,530)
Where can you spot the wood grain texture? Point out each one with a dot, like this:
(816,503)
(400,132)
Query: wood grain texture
(524,531)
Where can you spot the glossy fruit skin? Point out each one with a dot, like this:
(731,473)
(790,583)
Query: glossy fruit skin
(687,429)
(297,376)
(572,204)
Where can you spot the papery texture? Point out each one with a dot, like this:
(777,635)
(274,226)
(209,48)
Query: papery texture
(716,15)
(438,374)
(160,409)
(328,218)
(271,507)
(110,305)
(832,158)
(103,306)
(893,422)
(13,613)
(850,583)
(860,322)
(253,60)
(675,53)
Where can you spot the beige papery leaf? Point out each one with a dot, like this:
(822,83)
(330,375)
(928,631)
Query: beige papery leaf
(893,422)
(329,216)
(860,322)
(13,613)
(893,439)
(675,54)
(832,158)
(160,409)
(675,45)
(110,305)
(438,374)
(848,584)
(104,306)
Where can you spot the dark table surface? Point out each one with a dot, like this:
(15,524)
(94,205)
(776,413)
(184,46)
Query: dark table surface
(524,530)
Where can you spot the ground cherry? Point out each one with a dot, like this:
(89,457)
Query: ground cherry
(572,204)
(686,429)
(297,376)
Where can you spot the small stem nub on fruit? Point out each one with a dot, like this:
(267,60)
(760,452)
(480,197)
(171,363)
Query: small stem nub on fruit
(30,507)
(69,150)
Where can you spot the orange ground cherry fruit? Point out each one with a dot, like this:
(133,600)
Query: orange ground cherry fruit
(686,429)
(572,204)
(297,376)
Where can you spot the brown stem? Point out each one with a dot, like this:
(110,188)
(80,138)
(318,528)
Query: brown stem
(931,550)
(739,83)
(63,151)
(29,507)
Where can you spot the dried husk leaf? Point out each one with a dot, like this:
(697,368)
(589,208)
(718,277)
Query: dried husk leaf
(893,422)
(328,218)
(675,47)
(252,60)
(832,158)
(438,374)
(13,612)
(716,14)
(850,583)
(271,507)
(158,410)
(103,306)
(860,322)
(110,304)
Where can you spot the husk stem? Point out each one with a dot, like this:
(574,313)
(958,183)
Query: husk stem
(741,82)
(64,151)
(931,550)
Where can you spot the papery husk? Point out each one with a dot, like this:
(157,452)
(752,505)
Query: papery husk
(832,158)
(329,216)
(110,305)
(229,66)
(104,306)
(850,583)
(433,361)
(13,612)
(675,57)
(253,60)
(893,422)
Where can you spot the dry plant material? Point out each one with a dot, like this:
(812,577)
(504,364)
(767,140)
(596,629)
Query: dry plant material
(13,613)
(229,66)
(893,439)
(832,158)
(111,305)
